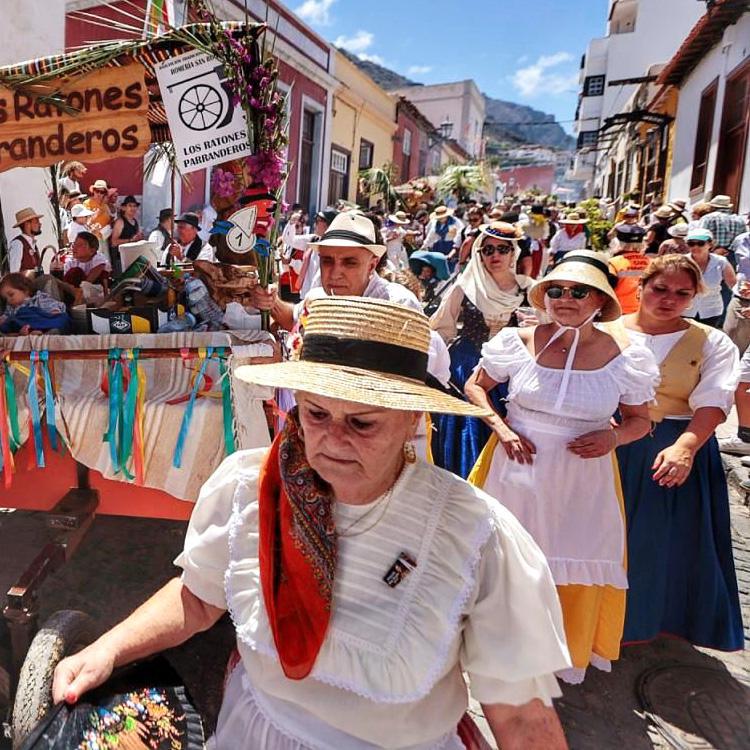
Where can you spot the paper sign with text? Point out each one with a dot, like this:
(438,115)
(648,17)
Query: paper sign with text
(206,127)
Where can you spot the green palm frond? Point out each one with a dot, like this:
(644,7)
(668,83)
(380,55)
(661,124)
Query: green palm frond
(464,179)
(379,181)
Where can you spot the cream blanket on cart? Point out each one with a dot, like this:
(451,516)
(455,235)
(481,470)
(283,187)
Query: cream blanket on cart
(83,410)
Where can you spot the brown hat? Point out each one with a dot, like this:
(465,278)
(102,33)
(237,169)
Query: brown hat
(664,212)
(26,214)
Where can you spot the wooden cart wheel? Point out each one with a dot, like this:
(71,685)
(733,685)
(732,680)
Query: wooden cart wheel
(64,633)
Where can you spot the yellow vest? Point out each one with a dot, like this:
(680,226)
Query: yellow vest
(680,373)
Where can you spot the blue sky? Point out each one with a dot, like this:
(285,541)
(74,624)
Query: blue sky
(518,50)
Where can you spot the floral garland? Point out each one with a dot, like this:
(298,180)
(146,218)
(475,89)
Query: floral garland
(252,74)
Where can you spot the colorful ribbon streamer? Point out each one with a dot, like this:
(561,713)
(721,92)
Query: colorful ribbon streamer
(226,404)
(6,451)
(204,355)
(35,416)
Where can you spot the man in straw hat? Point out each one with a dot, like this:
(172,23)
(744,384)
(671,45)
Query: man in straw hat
(657,231)
(443,233)
(348,253)
(724,224)
(571,236)
(348,557)
(23,254)
(676,242)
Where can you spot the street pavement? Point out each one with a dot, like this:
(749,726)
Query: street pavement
(662,695)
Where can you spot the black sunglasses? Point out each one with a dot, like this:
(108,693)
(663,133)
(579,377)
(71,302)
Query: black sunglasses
(695,243)
(576,292)
(489,250)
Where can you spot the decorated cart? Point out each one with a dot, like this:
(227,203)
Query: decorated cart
(132,423)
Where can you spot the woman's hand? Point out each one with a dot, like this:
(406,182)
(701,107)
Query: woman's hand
(82,672)
(672,466)
(517,447)
(594,444)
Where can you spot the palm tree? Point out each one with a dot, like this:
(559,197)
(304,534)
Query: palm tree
(379,181)
(462,179)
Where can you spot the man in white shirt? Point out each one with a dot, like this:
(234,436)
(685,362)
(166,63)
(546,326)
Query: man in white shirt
(443,233)
(86,263)
(349,253)
(23,254)
(188,245)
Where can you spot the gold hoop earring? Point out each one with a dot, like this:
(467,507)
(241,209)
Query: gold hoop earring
(410,455)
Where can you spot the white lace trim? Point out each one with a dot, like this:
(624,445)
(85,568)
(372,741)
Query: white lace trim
(569,571)
(482,533)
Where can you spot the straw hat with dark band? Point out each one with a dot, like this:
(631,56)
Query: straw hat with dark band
(581,267)
(368,351)
(351,229)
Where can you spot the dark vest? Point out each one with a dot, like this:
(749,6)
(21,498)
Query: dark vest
(30,259)
(194,248)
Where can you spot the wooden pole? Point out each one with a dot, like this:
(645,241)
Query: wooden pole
(87,354)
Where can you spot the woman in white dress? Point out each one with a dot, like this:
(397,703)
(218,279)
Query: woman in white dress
(362,582)
(555,468)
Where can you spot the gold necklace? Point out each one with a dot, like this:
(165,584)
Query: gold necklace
(384,502)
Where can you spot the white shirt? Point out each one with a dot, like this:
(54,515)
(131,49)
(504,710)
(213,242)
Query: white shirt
(207,252)
(480,600)
(720,370)
(454,233)
(74,229)
(15,252)
(88,265)
(563,243)
(710,304)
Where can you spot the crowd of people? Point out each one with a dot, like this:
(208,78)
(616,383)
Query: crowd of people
(512,486)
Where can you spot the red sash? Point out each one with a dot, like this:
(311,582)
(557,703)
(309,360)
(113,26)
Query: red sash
(297,551)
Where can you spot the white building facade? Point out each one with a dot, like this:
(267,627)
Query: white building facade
(710,151)
(641,34)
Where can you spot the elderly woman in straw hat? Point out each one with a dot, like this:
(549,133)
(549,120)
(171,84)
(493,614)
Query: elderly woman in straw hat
(551,462)
(482,302)
(362,582)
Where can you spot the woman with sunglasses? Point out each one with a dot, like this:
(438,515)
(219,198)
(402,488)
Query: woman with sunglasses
(680,568)
(482,302)
(708,307)
(551,462)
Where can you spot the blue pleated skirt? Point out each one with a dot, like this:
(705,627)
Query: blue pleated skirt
(459,440)
(680,564)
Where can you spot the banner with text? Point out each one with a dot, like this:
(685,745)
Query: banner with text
(206,127)
(111,120)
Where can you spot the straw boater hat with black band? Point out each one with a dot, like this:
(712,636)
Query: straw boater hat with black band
(581,267)
(351,229)
(368,351)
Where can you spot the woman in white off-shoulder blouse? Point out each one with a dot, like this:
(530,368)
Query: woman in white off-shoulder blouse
(363,583)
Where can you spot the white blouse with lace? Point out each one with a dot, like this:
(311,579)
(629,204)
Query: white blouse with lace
(720,369)
(569,505)
(481,600)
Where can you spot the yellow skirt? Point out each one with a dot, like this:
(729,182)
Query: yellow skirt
(594,616)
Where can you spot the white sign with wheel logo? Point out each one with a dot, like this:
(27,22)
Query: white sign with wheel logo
(206,127)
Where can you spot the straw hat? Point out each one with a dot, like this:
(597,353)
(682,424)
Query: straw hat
(79,211)
(678,230)
(678,206)
(99,185)
(351,229)
(581,267)
(500,230)
(441,212)
(721,201)
(664,212)
(26,214)
(574,217)
(364,350)
(399,217)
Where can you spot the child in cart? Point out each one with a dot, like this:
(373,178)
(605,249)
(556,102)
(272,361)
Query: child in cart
(29,311)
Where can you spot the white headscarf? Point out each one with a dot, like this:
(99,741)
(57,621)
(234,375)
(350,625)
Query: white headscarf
(495,305)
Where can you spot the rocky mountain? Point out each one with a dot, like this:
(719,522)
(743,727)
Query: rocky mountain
(508,124)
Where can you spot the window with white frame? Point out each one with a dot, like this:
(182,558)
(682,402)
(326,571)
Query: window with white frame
(406,148)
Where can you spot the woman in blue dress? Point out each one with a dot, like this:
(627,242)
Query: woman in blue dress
(681,573)
(480,303)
